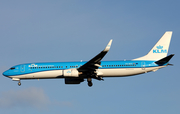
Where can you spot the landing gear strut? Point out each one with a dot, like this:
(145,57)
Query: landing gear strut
(19,83)
(89,80)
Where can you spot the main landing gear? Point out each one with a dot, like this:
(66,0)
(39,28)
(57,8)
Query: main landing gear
(89,80)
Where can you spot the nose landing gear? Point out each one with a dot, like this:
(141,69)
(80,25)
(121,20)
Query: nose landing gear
(19,83)
(17,79)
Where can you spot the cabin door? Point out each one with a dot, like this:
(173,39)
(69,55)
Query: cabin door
(22,68)
(143,65)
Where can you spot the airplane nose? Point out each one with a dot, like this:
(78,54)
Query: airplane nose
(5,73)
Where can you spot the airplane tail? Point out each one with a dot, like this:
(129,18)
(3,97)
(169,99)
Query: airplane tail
(160,49)
(164,60)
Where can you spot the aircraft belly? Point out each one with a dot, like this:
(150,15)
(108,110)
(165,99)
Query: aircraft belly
(40,75)
(121,72)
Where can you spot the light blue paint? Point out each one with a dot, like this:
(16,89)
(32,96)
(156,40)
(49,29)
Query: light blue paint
(40,67)
(160,49)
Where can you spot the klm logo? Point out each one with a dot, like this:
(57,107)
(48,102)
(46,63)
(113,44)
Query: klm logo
(159,49)
(68,71)
(32,65)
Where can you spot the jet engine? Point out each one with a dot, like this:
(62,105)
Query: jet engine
(73,80)
(71,73)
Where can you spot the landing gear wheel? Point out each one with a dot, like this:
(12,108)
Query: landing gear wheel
(89,80)
(90,84)
(19,83)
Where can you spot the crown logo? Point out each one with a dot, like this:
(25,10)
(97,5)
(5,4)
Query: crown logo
(159,47)
(32,65)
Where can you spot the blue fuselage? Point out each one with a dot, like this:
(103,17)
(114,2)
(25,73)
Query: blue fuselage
(41,67)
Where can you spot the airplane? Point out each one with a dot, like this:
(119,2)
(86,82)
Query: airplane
(77,72)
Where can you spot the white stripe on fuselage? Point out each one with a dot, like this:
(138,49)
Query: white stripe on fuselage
(40,75)
(118,72)
(127,71)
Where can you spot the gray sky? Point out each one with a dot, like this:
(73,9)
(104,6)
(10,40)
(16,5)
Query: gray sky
(74,30)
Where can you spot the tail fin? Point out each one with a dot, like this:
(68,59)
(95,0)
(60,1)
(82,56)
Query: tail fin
(160,50)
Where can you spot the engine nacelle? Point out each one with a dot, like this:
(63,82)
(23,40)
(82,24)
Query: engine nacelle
(73,80)
(71,73)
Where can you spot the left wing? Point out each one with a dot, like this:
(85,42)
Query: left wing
(95,62)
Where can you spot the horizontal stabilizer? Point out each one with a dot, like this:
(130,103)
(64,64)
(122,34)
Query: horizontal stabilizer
(164,60)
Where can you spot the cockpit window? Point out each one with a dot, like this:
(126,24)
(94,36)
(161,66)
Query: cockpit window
(12,68)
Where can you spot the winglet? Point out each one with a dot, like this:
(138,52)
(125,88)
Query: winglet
(108,46)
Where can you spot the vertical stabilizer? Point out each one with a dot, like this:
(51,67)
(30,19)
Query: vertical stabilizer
(160,50)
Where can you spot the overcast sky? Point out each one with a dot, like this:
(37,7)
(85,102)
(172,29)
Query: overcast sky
(75,30)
